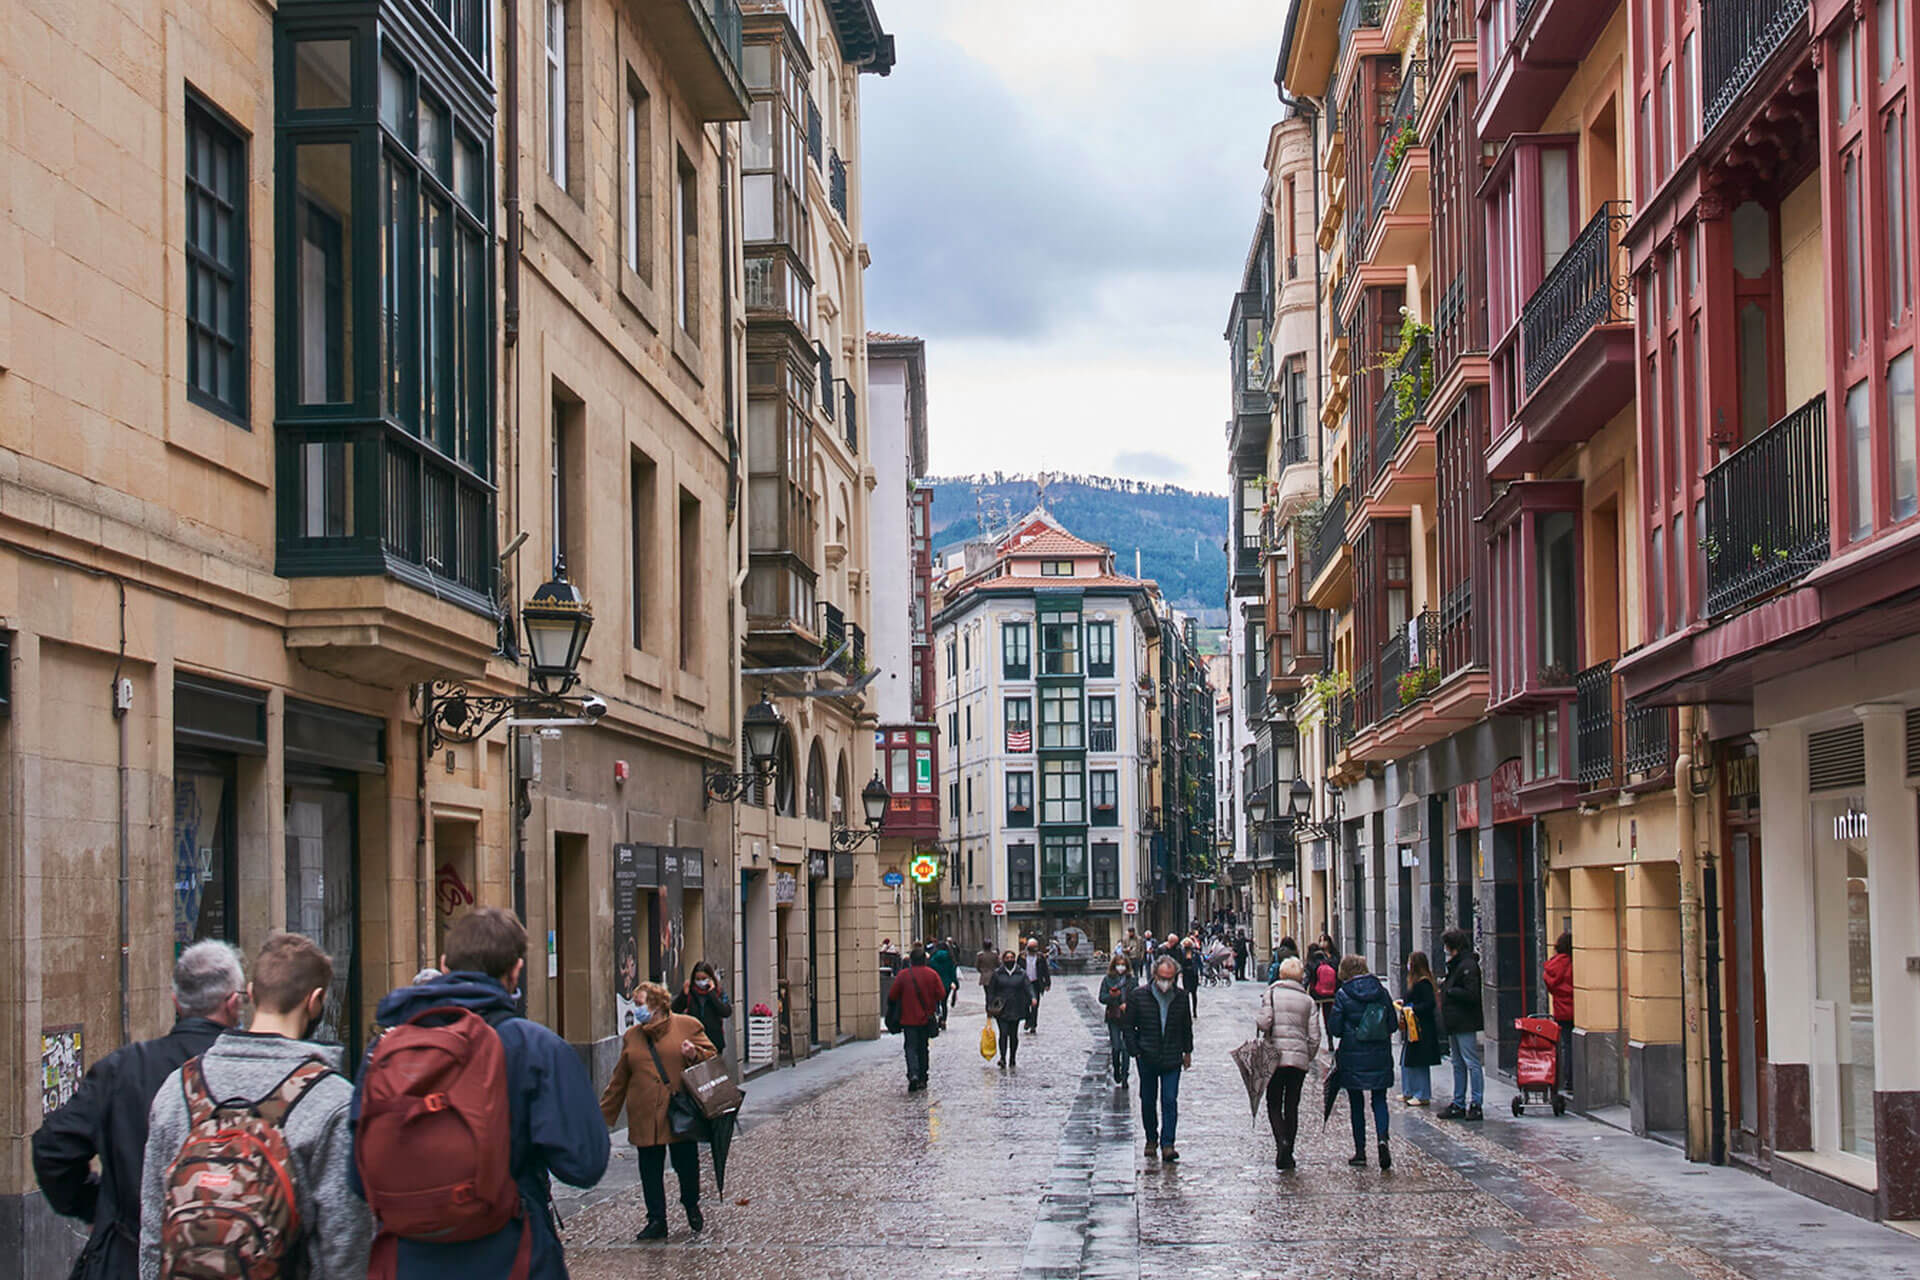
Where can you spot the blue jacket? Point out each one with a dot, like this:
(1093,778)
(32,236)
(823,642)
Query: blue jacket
(1364,1064)
(556,1128)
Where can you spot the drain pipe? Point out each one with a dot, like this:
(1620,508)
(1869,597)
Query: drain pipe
(1692,986)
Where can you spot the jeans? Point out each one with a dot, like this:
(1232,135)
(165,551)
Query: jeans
(1033,1013)
(1009,1039)
(1417,1083)
(1465,1047)
(1117,1051)
(916,1038)
(1283,1107)
(1159,1092)
(1355,1105)
(653,1183)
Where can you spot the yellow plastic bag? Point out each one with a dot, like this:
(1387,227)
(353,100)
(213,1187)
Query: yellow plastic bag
(988,1045)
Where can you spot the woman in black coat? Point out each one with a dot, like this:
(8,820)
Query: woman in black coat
(1421,1054)
(1362,1020)
(1009,996)
(703,999)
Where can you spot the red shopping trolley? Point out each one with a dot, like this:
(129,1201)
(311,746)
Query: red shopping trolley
(1538,1070)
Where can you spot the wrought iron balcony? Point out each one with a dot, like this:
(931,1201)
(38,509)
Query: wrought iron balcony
(1460,644)
(1586,288)
(1740,37)
(816,134)
(849,418)
(1393,665)
(1100,737)
(1332,533)
(1358,14)
(837,184)
(1647,739)
(1400,135)
(833,632)
(1593,727)
(1386,430)
(1767,510)
(1448,22)
(1294,447)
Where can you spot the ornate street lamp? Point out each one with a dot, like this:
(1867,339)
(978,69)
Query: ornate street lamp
(874,798)
(761,727)
(556,621)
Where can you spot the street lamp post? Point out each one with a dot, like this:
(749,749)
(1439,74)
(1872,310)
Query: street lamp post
(761,727)
(874,798)
(556,621)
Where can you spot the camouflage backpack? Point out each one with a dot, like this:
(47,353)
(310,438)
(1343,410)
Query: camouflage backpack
(230,1212)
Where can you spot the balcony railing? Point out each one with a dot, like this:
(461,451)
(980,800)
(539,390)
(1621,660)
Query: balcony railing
(849,419)
(1400,134)
(1386,430)
(1593,694)
(1587,287)
(727,24)
(1247,562)
(1358,14)
(1740,36)
(816,134)
(837,184)
(833,632)
(1459,638)
(1459,323)
(1647,739)
(1332,533)
(1294,447)
(1393,665)
(1767,510)
(1448,22)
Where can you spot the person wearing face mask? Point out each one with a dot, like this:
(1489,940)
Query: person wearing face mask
(702,998)
(1115,988)
(1009,996)
(1159,1034)
(1039,977)
(654,1054)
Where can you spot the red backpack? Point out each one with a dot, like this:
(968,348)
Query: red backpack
(230,1211)
(433,1140)
(1325,980)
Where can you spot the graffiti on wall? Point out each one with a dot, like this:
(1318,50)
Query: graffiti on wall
(60,1066)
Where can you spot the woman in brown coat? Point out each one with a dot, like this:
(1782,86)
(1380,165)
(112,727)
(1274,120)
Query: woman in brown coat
(653,1054)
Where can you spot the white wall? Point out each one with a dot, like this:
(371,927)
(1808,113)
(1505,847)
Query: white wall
(890,640)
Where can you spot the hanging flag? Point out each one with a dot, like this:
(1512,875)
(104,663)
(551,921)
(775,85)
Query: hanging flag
(1019,739)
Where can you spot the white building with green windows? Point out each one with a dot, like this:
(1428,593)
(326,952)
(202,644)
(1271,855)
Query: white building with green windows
(1043,693)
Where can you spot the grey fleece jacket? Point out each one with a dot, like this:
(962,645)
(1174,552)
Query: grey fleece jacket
(336,1228)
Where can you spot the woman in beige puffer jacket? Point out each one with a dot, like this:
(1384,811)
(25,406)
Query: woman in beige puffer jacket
(1290,1019)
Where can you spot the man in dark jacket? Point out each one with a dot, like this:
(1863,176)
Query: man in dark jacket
(1462,1019)
(107,1115)
(941,960)
(552,1106)
(1159,1034)
(1039,977)
(1242,948)
(1189,955)
(921,998)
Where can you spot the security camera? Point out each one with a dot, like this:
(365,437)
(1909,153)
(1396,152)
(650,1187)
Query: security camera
(593,706)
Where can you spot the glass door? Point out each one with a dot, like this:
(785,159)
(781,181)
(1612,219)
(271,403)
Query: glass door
(1843,974)
(323,890)
(205,860)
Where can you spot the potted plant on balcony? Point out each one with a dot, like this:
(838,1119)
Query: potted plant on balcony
(1404,139)
(1317,696)
(1418,683)
(1555,676)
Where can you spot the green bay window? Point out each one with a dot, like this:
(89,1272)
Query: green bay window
(1059,642)
(385,286)
(1062,792)
(1063,865)
(1060,720)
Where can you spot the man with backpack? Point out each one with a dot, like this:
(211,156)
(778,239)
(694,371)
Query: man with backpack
(107,1116)
(464,1192)
(919,998)
(1323,981)
(249,1157)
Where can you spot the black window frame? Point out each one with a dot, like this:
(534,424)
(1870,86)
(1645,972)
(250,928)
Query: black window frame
(1016,650)
(1100,643)
(230,142)
(1066,885)
(1103,859)
(1103,783)
(1019,797)
(1023,879)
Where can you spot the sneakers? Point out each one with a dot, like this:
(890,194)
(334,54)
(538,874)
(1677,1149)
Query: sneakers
(1386,1158)
(698,1221)
(1359,1160)
(1454,1111)
(1153,1150)
(652,1231)
(1474,1112)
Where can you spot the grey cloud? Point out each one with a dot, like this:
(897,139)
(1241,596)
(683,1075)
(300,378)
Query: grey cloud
(1144,464)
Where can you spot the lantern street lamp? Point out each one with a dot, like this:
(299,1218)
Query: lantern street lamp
(761,727)
(556,621)
(874,798)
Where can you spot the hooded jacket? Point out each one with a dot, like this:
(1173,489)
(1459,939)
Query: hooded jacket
(1559,976)
(107,1117)
(556,1129)
(1364,1064)
(1289,1017)
(943,964)
(1460,1010)
(336,1230)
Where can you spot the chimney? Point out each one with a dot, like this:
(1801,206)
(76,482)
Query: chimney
(1136,562)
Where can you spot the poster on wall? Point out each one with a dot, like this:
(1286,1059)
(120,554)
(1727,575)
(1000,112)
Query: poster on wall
(626,941)
(60,1068)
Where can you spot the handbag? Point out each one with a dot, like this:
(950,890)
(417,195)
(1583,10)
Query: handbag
(989,1045)
(713,1087)
(1409,1024)
(685,1121)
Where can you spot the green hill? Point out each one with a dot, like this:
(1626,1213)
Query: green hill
(1180,534)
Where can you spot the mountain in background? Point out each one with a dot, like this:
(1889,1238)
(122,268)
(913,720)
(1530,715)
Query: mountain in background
(1180,534)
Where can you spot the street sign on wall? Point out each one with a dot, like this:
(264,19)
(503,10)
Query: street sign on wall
(893,879)
(999,906)
(1131,907)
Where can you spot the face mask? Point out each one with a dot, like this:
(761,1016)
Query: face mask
(1164,984)
(1119,971)
(703,984)
(643,1015)
(1033,951)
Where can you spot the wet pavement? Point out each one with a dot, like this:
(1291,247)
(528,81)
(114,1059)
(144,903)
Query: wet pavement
(1039,1173)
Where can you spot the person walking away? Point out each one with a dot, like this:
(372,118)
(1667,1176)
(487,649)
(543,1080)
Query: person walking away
(555,1128)
(1115,988)
(1559,975)
(942,963)
(1289,1018)
(1039,977)
(985,962)
(250,1141)
(106,1118)
(1363,1021)
(952,977)
(1463,1020)
(1242,948)
(703,1000)
(1323,981)
(654,1054)
(1420,1053)
(1009,995)
(1189,958)
(921,998)
(1159,1035)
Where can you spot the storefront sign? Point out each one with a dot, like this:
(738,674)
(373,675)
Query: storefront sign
(893,879)
(1743,777)
(1506,791)
(784,889)
(925,868)
(1466,806)
(693,869)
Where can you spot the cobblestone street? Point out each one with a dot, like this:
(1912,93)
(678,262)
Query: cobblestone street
(840,1172)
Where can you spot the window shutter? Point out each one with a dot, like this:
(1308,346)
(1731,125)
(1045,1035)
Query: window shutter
(1838,757)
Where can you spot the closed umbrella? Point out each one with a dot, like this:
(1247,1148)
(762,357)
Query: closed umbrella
(1331,1089)
(720,1142)
(1257,1059)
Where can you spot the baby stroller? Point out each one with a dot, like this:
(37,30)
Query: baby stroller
(1538,1069)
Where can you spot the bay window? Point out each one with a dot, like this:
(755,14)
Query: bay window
(1062,792)
(1063,865)
(1060,725)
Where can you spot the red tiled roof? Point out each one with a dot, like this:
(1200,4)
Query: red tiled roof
(1030,583)
(1053,542)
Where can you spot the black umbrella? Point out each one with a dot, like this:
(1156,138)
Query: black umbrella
(1331,1090)
(720,1141)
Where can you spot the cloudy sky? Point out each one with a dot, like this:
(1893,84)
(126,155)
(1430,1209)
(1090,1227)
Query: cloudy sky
(1059,199)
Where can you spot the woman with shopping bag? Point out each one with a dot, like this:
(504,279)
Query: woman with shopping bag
(647,1079)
